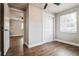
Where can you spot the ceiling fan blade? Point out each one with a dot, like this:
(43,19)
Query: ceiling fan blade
(57,4)
(45,6)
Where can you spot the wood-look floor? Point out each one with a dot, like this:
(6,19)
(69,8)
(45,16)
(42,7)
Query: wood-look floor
(48,49)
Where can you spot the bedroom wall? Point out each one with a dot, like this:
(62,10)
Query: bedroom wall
(15,22)
(67,37)
(36,25)
(15,28)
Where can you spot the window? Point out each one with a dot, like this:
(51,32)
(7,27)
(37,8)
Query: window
(68,23)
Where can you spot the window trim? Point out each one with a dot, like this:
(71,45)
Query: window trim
(75,25)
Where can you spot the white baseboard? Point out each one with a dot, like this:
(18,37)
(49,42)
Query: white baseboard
(48,41)
(26,44)
(71,43)
(5,51)
(30,46)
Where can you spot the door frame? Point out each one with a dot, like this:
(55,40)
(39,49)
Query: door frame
(2,29)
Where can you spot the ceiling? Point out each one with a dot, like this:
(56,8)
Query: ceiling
(21,6)
(51,7)
(56,9)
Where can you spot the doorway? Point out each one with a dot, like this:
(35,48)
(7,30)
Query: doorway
(5,28)
(16,30)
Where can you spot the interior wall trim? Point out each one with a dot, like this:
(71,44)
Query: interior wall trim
(26,44)
(34,45)
(71,43)
(6,50)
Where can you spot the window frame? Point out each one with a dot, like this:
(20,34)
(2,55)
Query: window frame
(69,31)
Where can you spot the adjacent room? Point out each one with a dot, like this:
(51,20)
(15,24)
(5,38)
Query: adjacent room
(41,29)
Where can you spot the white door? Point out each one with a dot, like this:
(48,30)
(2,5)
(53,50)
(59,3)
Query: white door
(6,28)
(47,27)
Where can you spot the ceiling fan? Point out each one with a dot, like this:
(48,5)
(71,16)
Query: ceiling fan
(53,3)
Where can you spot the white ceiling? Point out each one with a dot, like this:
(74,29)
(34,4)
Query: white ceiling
(52,8)
(56,9)
(21,6)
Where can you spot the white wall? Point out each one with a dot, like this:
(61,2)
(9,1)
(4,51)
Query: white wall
(6,26)
(34,23)
(15,28)
(67,37)
(15,22)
